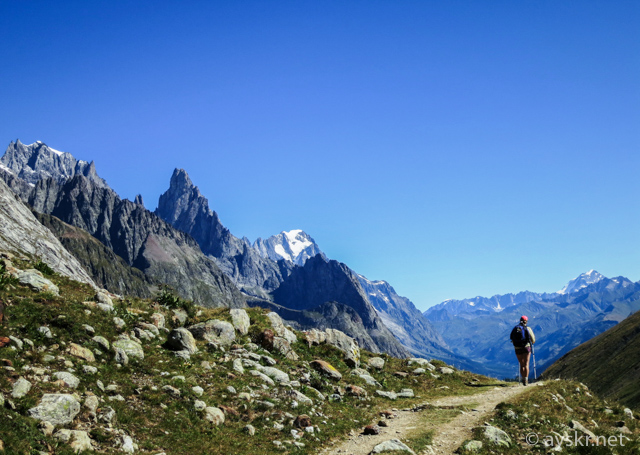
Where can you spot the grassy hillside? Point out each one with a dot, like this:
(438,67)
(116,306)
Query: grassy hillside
(560,417)
(608,363)
(157,402)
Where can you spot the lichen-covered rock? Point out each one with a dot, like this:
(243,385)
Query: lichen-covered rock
(20,388)
(130,347)
(57,408)
(241,320)
(67,379)
(282,346)
(78,440)
(346,344)
(326,369)
(82,353)
(34,279)
(214,415)
(157,319)
(497,436)
(280,329)
(221,332)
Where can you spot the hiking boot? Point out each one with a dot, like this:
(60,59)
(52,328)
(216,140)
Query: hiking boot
(526,381)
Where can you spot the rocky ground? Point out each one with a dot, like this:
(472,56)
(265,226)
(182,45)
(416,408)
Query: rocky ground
(85,371)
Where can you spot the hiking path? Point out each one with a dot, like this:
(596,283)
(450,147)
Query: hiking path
(449,435)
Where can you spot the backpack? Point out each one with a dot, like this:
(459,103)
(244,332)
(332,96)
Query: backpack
(519,336)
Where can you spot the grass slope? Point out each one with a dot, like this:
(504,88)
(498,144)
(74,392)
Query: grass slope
(160,422)
(609,363)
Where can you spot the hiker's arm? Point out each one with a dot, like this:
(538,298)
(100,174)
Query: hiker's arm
(532,337)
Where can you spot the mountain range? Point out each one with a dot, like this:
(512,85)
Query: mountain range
(479,328)
(185,245)
(120,245)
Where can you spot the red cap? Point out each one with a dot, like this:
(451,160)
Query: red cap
(524,318)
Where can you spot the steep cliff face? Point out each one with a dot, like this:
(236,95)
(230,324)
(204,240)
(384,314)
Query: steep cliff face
(22,234)
(38,161)
(107,269)
(324,287)
(186,209)
(139,237)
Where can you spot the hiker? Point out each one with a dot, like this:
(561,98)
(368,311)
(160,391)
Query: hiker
(523,338)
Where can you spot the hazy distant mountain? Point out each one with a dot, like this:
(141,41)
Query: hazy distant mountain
(560,321)
(497,303)
(295,246)
(581,281)
(38,161)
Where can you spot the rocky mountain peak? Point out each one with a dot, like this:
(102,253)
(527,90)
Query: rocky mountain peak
(38,161)
(582,281)
(181,199)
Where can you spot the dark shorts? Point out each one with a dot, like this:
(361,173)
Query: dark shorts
(525,350)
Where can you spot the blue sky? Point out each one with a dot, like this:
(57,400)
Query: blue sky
(453,149)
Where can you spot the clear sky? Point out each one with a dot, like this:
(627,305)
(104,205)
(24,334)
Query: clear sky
(452,148)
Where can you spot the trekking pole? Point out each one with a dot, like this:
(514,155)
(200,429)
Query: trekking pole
(535,375)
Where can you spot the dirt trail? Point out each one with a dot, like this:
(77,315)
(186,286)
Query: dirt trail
(448,436)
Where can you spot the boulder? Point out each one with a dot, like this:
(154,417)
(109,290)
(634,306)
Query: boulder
(326,369)
(371,430)
(78,440)
(221,332)
(282,346)
(57,408)
(130,347)
(36,281)
(280,329)
(157,319)
(496,436)
(387,394)
(20,388)
(214,415)
(446,370)
(302,421)
(67,379)
(121,357)
(82,353)
(315,337)
(102,296)
(241,321)
(181,340)
(346,344)
(391,445)
(424,363)
(472,446)
(376,362)
(265,339)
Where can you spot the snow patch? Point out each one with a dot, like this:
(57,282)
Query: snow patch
(279,250)
(297,243)
(5,168)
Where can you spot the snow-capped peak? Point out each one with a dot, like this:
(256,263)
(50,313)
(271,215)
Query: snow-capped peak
(294,246)
(582,281)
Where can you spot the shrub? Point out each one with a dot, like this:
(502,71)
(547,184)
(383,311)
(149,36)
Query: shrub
(43,267)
